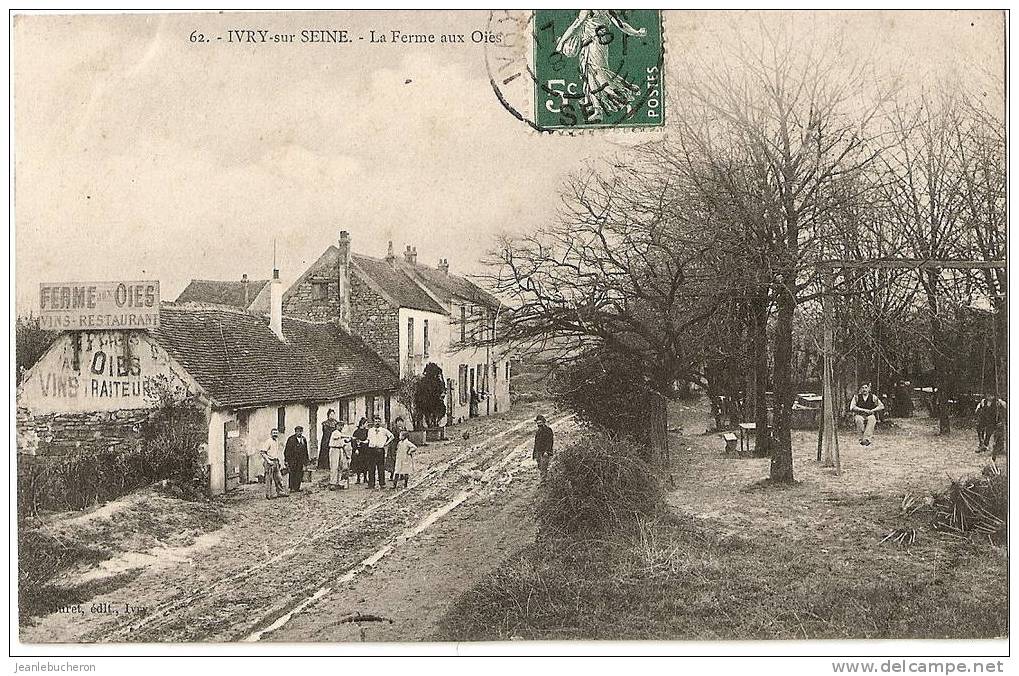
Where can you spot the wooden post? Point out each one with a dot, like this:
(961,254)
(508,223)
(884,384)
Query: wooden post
(829,430)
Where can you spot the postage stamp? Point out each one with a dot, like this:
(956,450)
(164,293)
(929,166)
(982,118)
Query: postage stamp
(598,68)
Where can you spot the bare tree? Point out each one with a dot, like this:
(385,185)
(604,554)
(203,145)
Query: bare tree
(791,117)
(627,271)
(980,146)
(927,195)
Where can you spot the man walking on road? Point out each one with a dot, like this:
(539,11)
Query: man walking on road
(296,455)
(378,438)
(542,445)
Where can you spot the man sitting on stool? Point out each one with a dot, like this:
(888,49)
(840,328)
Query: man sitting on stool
(865,407)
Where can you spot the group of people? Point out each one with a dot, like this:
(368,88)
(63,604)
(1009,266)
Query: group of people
(991,414)
(366,451)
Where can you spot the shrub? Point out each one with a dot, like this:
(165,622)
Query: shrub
(429,393)
(30,342)
(609,395)
(170,450)
(977,505)
(597,484)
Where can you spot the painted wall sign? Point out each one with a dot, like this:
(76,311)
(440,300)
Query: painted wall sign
(99,371)
(78,306)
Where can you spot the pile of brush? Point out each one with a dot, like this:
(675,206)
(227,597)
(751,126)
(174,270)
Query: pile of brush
(971,507)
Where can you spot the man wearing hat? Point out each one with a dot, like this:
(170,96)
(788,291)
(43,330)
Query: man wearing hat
(295,455)
(542,445)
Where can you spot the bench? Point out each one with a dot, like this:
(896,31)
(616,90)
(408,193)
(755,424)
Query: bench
(730,440)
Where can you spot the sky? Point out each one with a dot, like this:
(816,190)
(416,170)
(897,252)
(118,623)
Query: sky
(142,155)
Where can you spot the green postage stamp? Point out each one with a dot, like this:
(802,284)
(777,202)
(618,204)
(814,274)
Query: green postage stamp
(598,68)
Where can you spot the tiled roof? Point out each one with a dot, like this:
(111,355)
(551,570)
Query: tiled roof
(238,360)
(221,292)
(396,283)
(447,287)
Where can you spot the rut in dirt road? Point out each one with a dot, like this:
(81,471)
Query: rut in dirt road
(256,600)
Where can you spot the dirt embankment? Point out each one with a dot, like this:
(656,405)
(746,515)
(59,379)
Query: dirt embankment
(335,566)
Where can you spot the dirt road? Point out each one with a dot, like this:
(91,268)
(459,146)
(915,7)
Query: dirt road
(334,565)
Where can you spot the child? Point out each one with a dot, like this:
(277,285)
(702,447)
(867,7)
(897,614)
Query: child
(405,465)
(340,449)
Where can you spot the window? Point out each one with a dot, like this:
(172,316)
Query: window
(463,323)
(410,336)
(463,383)
(389,410)
(281,418)
(319,290)
(424,342)
(369,407)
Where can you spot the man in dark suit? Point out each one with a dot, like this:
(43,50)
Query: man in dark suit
(296,454)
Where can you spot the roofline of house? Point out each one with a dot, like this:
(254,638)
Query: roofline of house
(282,402)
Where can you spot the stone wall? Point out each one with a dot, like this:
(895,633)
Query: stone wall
(55,434)
(302,304)
(376,321)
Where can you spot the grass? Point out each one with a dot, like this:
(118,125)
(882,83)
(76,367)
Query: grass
(734,557)
(676,580)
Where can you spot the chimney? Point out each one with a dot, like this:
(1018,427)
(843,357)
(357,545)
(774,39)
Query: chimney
(444,265)
(276,304)
(244,285)
(343,280)
(390,256)
(411,255)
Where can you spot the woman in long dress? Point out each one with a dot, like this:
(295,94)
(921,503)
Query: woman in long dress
(329,425)
(588,38)
(359,452)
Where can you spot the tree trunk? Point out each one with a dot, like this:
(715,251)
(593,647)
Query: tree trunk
(781,452)
(658,432)
(1001,347)
(759,326)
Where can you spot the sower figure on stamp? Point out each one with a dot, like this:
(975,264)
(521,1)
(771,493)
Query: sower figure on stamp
(542,445)
(296,455)
(865,407)
(272,464)
(991,415)
(587,39)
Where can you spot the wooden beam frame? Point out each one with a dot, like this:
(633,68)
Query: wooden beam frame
(828,443)
(913,264)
